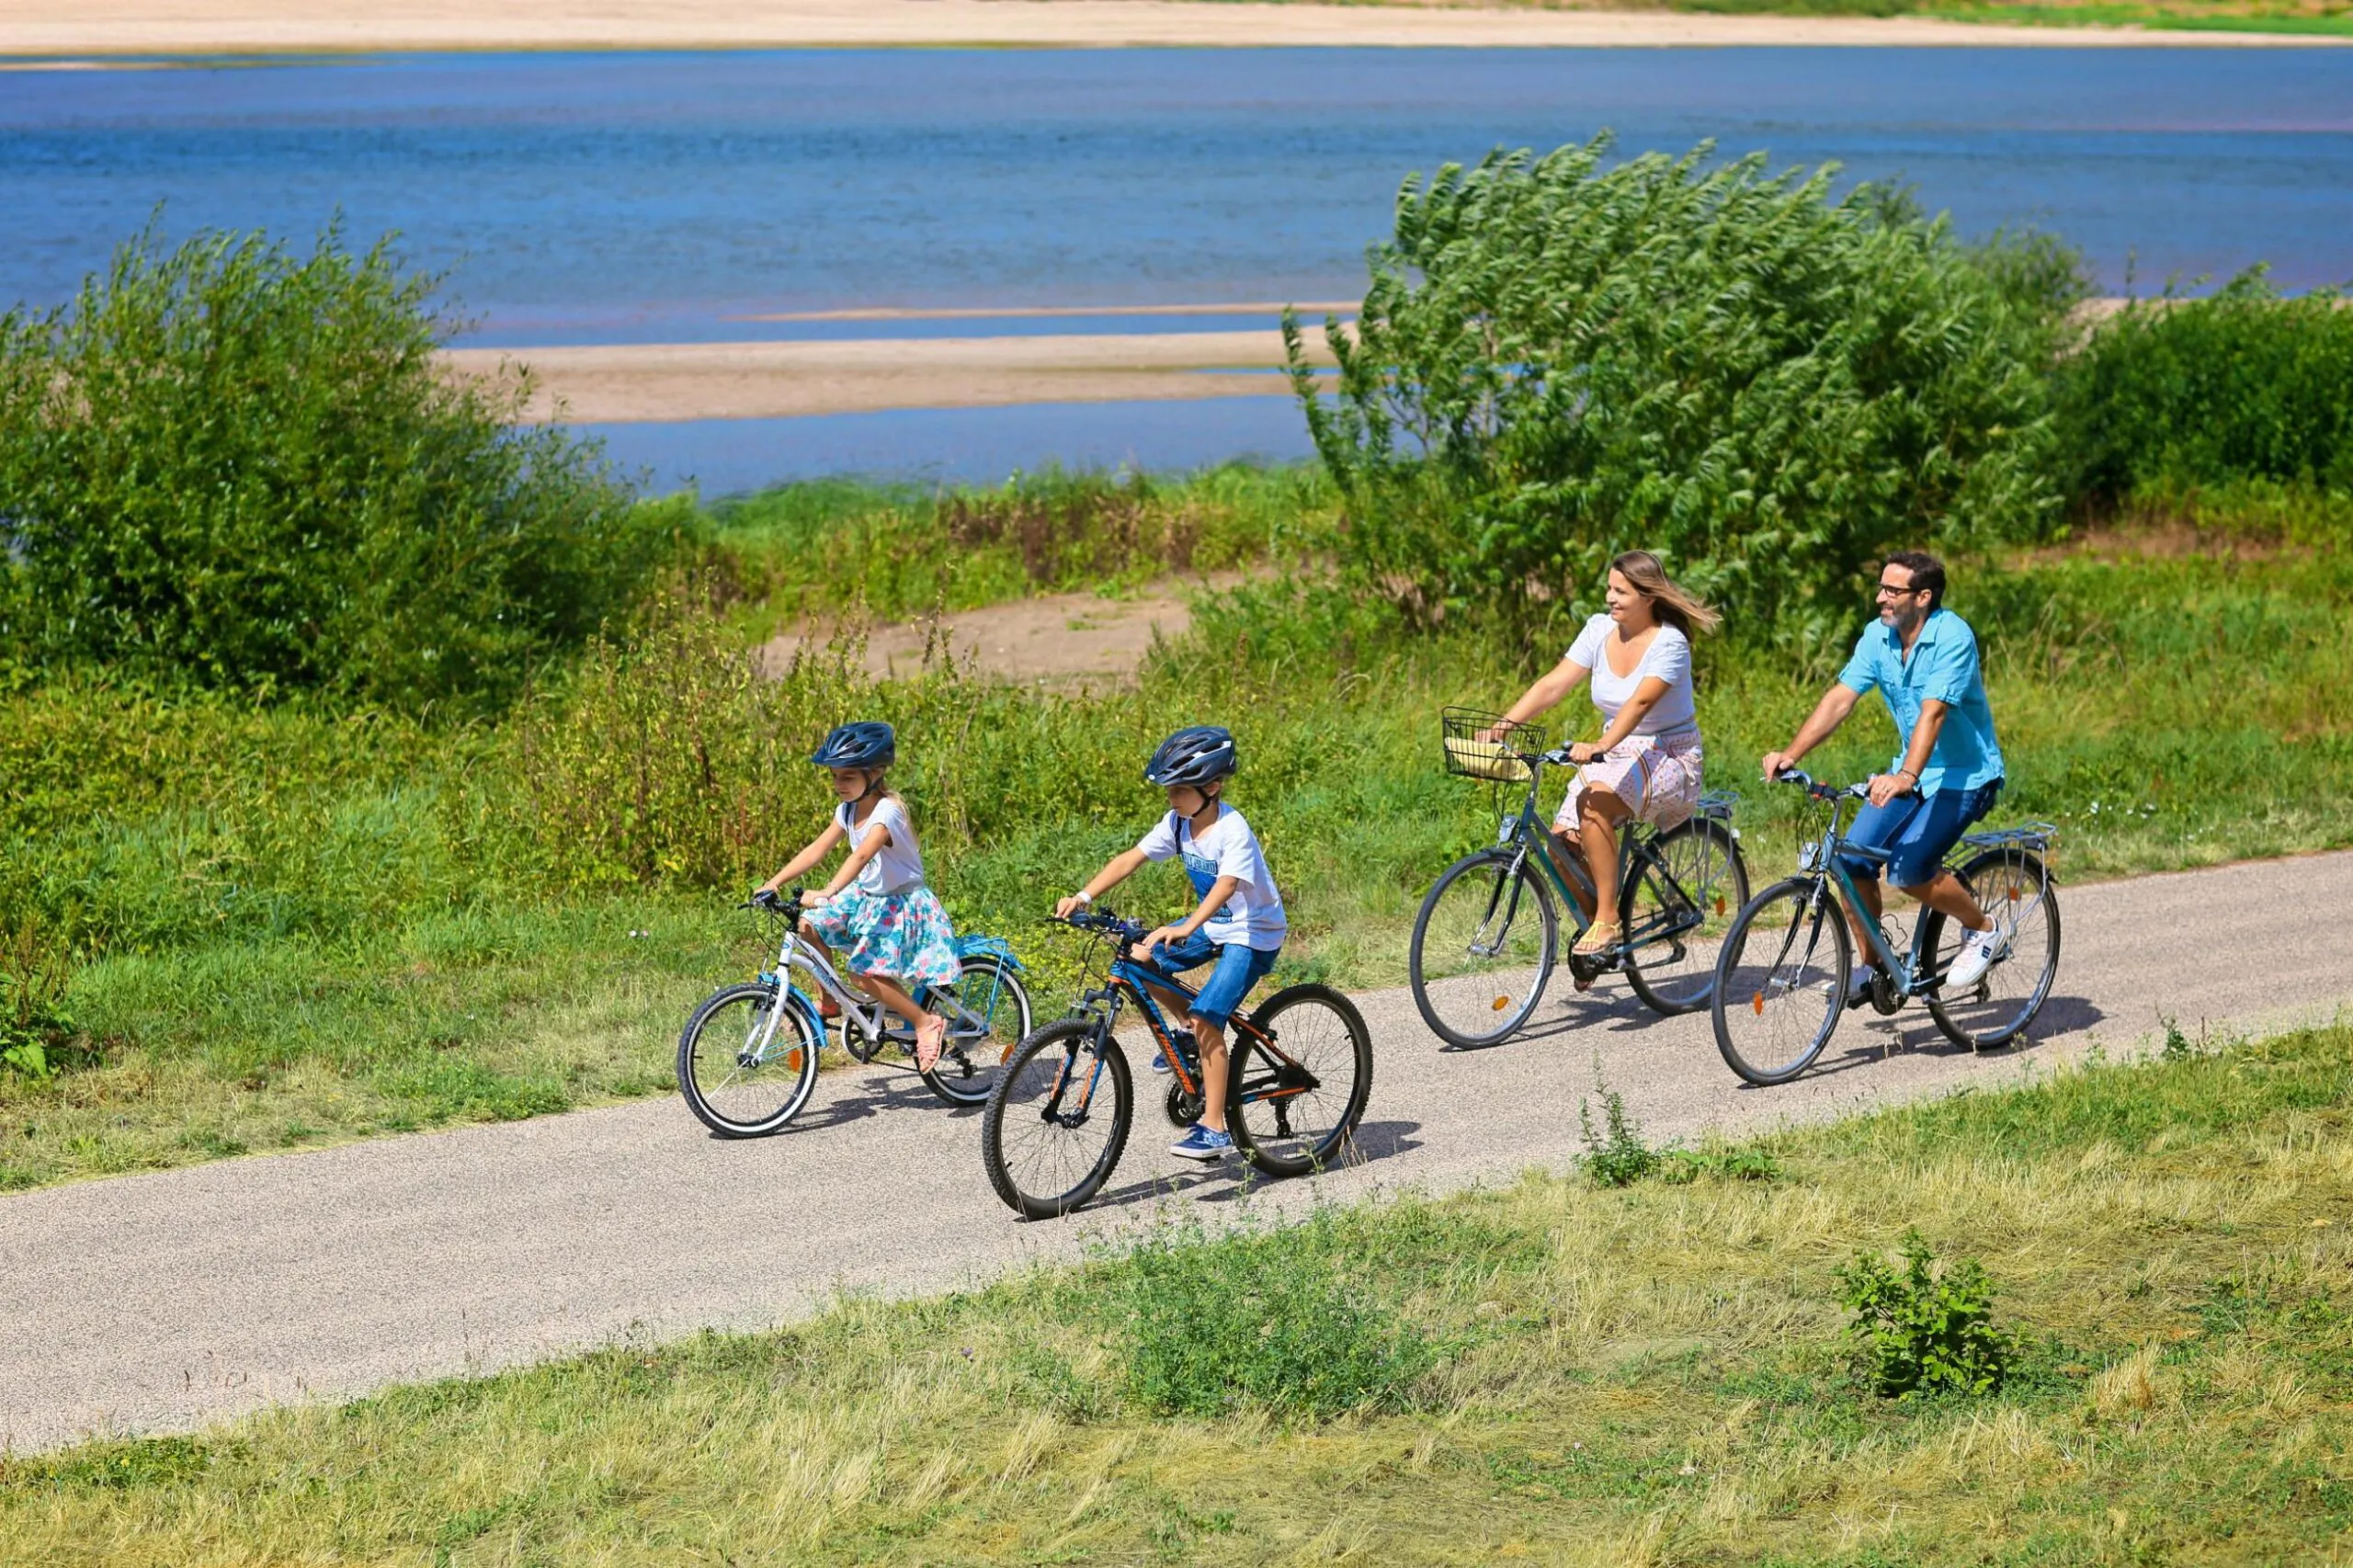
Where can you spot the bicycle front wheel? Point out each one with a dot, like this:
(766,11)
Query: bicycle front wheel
(2014,887)
(747,1060)
(1677,912)
(988,1015)
(1484,948)
(1058,1118)
(1781,981)
(1300,1088)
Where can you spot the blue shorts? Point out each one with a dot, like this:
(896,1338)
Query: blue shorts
(1917,831)
(1238,969)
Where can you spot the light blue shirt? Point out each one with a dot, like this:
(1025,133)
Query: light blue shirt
(1942,669)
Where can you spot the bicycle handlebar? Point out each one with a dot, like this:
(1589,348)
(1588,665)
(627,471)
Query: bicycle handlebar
(1820,791)
(1105,921)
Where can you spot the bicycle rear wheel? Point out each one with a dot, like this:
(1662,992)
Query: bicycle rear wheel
(988,1015)
(1781,981)
(1058,1118)
(1296,1095)
(747,1060)
(1697,885)
(1484,947)
(2014,887)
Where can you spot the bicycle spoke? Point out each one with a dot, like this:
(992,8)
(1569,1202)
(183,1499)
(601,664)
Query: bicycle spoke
(1483,948)
(1780,981)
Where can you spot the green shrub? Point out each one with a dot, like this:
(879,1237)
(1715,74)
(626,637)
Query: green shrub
(232,465)
(2174,394)
(1285,1319)
(1924,1330)
(1616,1156)
(1556,362)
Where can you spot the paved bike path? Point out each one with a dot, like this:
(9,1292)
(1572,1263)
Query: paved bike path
(163,1301)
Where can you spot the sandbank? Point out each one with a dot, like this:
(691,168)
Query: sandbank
(649,383)
(63,29)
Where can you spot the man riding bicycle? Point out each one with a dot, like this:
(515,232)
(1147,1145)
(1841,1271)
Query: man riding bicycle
(1922,658)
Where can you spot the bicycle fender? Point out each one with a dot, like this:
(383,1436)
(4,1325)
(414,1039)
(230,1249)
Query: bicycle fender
(979,946)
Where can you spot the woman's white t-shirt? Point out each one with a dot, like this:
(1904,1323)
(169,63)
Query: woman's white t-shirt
(1669,657)
(898,864)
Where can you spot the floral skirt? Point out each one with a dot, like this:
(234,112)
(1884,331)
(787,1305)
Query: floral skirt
(1658,776)
(903,936)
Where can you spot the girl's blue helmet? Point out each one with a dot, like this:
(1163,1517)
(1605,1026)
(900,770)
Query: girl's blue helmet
(1196,755)
(869,744)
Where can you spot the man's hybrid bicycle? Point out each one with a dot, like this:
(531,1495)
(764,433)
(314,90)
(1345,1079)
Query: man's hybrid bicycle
(747,1060)
(1783,972)
(1056,1124)
(1489,934)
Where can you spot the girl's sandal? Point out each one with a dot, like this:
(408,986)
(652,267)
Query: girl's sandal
(1598,938)
(931,1039)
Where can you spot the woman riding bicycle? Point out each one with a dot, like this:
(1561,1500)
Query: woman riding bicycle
(1646,765)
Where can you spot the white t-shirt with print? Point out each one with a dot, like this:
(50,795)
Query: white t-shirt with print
(899,866)
(1669,657)
(1254,916)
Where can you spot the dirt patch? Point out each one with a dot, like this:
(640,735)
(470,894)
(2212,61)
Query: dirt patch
(1057,639)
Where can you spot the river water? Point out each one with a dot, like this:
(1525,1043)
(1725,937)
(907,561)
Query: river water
(662,197)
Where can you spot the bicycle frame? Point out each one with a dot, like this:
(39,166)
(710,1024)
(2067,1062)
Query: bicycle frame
(1126,977)
(1825,860)
(797,956)
(1527,829)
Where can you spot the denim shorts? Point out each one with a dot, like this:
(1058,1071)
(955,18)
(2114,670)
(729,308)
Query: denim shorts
(1238,969)
(1917,831)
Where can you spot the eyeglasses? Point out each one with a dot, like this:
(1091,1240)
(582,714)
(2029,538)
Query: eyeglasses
(1896,591)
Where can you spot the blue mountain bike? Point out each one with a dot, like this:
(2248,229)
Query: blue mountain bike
(1056,1124)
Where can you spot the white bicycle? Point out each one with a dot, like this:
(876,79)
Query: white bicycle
(747,1060)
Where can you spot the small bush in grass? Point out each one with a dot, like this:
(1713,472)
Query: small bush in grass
(1286,1319)
(1615,1157)
(1925,1329)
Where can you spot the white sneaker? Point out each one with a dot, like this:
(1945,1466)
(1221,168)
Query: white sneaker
(1980,951)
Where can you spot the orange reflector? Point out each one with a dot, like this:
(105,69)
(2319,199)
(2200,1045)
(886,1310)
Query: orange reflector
(2013,892)
(1719,904)
(1501,1003)
(792,1062)
(1757,1005)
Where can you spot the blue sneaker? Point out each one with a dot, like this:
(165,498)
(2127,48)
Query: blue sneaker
(1201,1143)
(1160,1061)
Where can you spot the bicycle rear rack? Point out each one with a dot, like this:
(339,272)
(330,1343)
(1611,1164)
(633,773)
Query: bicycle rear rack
(2034,835)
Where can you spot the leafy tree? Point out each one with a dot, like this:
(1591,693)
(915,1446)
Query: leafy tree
(236,466)
(1768,386)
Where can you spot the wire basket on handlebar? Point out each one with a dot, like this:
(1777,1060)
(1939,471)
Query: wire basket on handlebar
(1489,747)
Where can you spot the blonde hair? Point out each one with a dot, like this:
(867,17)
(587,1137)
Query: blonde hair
(1670,600)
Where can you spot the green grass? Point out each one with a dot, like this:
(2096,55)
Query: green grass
(2325,18)
(280,926)
(1552,1371)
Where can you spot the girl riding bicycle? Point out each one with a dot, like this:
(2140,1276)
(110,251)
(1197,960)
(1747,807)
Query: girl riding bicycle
(1647,763)
(1238,923)
(891,927)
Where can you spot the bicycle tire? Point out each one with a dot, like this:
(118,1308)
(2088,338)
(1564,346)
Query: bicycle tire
(1746,984)
(963,1075)
(1025,1091)
(796,1077)
(1421,958)
(1263,1126)
(1981,1021)
(1687,990)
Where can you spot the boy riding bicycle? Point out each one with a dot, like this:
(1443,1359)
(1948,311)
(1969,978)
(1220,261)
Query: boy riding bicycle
(1238,923)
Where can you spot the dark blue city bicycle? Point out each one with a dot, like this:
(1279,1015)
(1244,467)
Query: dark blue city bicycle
(1058,1118)
(1782,974)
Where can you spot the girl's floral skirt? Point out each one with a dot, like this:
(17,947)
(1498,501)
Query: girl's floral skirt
(903,936)
(1658,776)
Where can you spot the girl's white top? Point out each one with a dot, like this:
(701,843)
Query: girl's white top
(1669,657)
(899,866)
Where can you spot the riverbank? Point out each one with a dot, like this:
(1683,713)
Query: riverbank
(97,29)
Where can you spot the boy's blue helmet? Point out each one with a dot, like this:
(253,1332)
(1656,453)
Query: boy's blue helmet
(869,744)
(1198,754)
